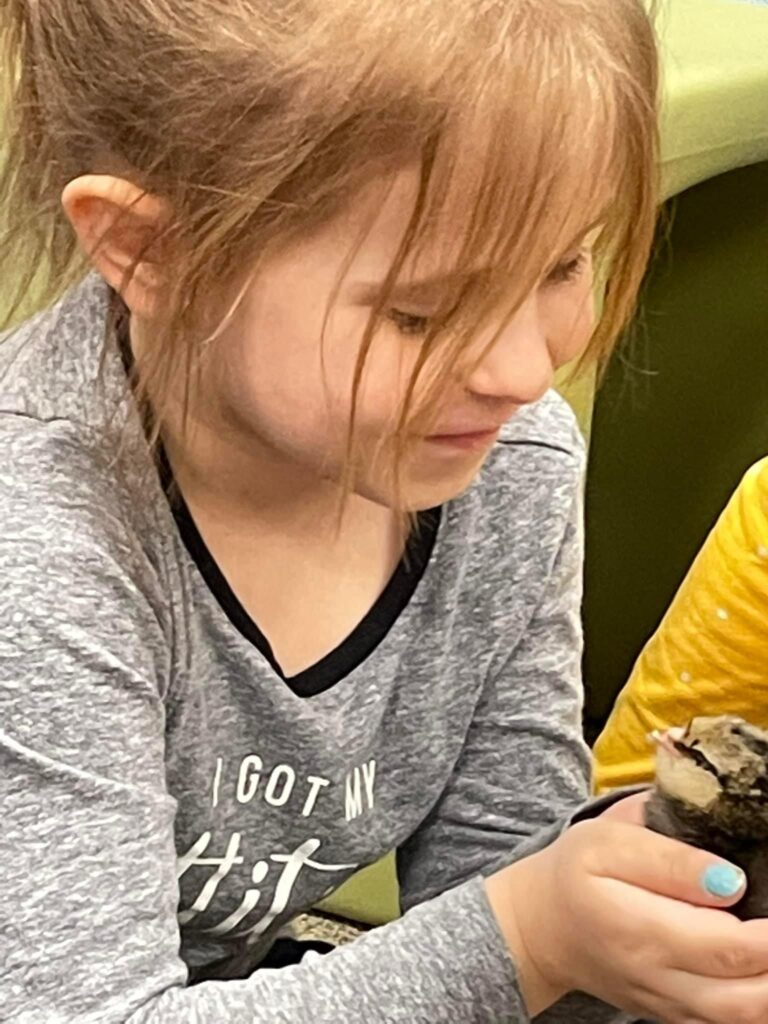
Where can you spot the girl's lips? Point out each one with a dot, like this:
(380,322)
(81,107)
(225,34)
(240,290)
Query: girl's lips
(466,442)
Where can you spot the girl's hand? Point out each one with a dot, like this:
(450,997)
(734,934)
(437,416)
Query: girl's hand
(633,918)
(631,810)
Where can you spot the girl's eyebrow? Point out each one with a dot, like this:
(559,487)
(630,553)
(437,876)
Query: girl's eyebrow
(431,290)
(427,290)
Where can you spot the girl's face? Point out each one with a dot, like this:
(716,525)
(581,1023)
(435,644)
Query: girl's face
(281,380)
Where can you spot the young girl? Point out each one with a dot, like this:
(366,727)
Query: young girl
(289,521)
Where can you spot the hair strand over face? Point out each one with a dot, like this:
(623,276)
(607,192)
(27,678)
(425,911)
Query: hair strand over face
(257,120)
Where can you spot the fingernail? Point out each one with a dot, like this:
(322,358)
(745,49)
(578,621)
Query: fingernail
(723,880)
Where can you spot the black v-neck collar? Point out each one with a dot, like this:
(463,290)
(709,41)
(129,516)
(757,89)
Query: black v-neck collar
(364,638)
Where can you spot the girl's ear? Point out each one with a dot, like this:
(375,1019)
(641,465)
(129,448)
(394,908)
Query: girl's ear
(118,226)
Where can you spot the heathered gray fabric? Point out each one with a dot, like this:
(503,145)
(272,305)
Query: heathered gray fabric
(168,801)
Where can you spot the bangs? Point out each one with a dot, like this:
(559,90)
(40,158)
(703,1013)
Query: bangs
(534,157)
(516,180)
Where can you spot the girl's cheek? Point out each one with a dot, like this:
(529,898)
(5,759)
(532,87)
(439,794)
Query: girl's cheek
(573,331)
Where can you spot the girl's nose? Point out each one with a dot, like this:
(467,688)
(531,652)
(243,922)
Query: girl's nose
(517,366)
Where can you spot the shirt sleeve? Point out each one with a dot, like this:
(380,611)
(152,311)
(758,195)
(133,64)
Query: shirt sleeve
(524,772)
(524,767)
(88,928)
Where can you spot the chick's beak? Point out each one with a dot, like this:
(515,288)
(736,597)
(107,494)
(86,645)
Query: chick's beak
(668,739)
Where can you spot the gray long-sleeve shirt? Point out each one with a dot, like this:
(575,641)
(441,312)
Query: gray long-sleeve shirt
(169,801)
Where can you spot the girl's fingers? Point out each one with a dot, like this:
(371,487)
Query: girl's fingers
(658,864)
(713,1001)
(631,810)
(701,941)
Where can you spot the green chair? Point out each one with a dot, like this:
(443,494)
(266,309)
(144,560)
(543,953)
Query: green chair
(684,407)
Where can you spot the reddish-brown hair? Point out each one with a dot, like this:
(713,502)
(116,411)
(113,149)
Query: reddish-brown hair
(256,119)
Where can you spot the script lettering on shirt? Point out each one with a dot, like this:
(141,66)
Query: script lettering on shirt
(278,787)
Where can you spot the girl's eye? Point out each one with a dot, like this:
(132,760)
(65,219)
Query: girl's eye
(568,269)
(408,323)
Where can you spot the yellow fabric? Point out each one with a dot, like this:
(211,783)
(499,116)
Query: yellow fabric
(710,653)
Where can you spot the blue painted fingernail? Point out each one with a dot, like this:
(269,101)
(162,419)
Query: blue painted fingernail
(723,880)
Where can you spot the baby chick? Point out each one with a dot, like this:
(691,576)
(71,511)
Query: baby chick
(712,791)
